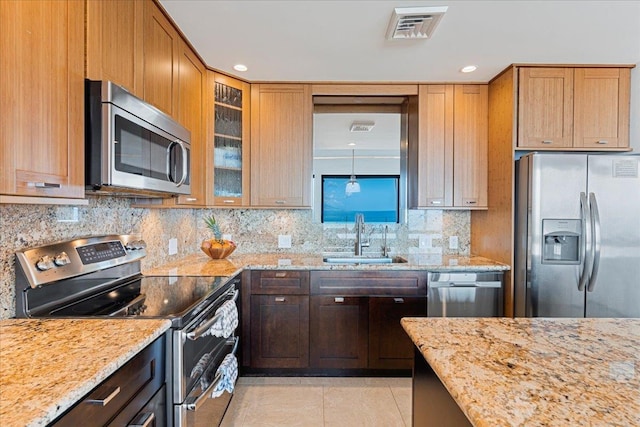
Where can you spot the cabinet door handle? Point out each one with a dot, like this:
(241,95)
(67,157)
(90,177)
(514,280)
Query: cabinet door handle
(43,184)
(281,274)
(104,396)
(143,420)
(547,141)
(228,201)
(471,202)
(191,199)
(398,300)
(280,299)
(339,300)
(602,141)
(436,202)
(280,202)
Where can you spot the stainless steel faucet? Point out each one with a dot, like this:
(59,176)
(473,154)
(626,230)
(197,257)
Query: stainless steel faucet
(360,240)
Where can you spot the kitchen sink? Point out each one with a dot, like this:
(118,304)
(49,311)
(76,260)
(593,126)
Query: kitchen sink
(353,259)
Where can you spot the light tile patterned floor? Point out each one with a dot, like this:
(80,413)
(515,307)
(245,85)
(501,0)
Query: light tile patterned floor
(320,401)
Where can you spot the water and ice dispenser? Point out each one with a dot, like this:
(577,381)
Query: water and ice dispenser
(561,241)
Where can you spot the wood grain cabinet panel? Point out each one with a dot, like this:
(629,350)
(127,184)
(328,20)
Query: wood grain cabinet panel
(601,107)
(279,331)
(389,345)
(114,43)
(41,106)
(281,148)
(339,332)
(190,109)
(448,138)
(160,46)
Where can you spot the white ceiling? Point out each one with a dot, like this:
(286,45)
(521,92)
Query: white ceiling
(345,40)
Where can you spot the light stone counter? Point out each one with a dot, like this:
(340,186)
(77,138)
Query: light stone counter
(201,265)
(536,372)
(48,365)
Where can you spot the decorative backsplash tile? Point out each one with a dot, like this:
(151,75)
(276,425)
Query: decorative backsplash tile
(253,230)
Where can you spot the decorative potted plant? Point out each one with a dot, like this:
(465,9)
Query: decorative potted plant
(216,248)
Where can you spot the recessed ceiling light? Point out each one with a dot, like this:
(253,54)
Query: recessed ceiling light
(351,144)
(240,67)
(469,69)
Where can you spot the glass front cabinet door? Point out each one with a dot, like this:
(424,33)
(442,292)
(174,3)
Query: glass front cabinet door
(230,142)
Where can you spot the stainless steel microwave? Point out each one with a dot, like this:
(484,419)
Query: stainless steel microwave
(132,148)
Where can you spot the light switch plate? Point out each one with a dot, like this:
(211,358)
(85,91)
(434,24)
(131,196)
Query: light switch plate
(284,241)
(453,242)
(173,246)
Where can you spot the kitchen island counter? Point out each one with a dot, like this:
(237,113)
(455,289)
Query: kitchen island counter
(48,365)
(535,372)
(201,265)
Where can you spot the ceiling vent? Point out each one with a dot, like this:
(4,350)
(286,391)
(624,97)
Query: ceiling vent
(414,22)
(361,126)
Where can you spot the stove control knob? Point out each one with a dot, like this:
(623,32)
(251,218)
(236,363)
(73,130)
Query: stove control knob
(45,263)
(62,259)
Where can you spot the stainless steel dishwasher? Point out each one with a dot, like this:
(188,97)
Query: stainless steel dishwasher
(465,294)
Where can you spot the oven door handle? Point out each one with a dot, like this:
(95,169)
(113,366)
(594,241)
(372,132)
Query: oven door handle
(202,329)
(193,405)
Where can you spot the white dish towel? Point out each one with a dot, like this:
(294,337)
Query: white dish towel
(229,371)
(228,321)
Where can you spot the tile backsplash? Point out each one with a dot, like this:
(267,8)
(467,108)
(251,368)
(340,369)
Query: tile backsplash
(253,230)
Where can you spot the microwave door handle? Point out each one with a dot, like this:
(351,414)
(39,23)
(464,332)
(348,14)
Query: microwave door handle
(169,148)
(185,163)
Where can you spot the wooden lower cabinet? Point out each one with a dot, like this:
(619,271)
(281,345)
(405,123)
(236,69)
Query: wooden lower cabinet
(279,331)
(339,332)
(389,345)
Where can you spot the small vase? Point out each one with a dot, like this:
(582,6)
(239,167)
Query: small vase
(218,248)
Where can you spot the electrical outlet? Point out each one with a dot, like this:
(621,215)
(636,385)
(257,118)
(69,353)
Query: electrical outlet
(453,242)
(173,246)
(284,241)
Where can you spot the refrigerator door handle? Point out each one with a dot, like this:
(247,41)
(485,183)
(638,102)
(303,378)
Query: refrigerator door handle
(585,248)
(595,227)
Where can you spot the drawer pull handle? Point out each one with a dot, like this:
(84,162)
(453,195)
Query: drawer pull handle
(602,141)
(43,184)
(398,300)
(281,274)
(339,300)
(104,397)
(547,141)
(143,420)
(280,299)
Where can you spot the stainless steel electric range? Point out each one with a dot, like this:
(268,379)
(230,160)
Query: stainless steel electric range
(100,277)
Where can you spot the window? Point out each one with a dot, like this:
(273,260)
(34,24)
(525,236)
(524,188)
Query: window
(378,199)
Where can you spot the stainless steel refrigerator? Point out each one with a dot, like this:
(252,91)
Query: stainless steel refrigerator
(577,240)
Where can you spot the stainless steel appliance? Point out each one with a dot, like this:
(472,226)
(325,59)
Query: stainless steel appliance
(465,294)
(100,277)
(132,148)
(577,235)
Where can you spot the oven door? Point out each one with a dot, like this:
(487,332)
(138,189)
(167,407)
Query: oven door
(200,409)
(142,156)
(193,347)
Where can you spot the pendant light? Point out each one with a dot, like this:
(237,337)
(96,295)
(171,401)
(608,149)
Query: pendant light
(353,186)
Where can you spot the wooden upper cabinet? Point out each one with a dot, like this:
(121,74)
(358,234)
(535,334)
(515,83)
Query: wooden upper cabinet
(160,46)
(230,140)
(601,107)
(545,106)
(281,151)
(447,158)
(434,152)
(191,78)
(114,43)
(470,164)
(573,108)
(42,101)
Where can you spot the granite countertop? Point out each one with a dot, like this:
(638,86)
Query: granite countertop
(536,372)
(201,265)
(48,365)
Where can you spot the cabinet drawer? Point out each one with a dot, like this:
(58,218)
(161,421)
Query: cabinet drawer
(370,283)
(124,393)
(280,282)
